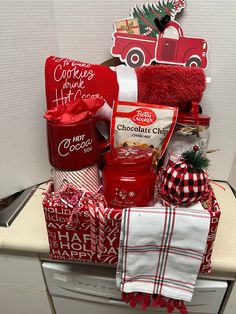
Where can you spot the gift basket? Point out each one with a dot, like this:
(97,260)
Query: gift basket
(129,183)
(153,157)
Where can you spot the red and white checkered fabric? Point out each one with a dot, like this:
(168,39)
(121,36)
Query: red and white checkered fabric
(158,252)
(181,186)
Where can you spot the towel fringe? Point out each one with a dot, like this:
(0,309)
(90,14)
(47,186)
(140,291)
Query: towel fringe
(183,309)
(177,304)
(124,297)
(147,300)
(156,300)
(170,307)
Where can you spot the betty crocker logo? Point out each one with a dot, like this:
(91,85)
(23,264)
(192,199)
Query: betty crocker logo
(75,144)
(143,116)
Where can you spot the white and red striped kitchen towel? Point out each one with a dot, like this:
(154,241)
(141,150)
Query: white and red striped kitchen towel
(160,253)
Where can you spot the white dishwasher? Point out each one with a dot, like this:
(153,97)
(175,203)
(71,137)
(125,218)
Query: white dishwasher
(89,289)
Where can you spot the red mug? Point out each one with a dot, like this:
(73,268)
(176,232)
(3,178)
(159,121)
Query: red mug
(74,146)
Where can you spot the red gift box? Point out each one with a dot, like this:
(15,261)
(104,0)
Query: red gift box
(69,231)
(72,241)
(128,26)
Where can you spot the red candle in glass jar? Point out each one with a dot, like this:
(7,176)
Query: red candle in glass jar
(128,177)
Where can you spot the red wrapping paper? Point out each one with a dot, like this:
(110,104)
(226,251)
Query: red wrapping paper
(73,242)
(214,210)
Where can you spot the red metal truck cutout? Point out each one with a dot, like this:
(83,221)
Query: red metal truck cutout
(171,47)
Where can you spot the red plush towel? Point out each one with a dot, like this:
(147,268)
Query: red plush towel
(170,85)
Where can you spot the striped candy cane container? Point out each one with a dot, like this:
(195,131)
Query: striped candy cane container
(87,178)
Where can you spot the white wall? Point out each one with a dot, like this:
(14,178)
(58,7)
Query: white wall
(31,30)
(215,21)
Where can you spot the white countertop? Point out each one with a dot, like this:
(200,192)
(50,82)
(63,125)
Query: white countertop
(28,232)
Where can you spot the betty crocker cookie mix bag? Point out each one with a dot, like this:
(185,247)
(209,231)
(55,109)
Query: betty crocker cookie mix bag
(139,124)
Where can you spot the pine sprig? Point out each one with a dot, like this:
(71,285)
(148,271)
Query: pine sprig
(146,14)
(196,159)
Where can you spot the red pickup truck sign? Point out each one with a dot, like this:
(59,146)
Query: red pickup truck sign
(170,47)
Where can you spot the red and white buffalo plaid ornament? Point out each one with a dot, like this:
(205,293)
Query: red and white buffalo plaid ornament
(186,181)
(181,186)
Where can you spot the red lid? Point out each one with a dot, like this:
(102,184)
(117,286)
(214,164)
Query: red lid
(130,157)
(201,119)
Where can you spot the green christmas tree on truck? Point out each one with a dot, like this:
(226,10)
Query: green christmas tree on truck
(146,14)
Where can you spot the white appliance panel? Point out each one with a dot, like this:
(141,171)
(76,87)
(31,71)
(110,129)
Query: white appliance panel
(93,288)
